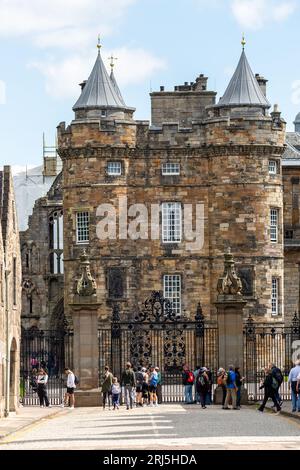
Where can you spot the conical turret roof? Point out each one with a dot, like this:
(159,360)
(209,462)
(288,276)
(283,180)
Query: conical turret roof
(243,89)
(116,87)
(99,91)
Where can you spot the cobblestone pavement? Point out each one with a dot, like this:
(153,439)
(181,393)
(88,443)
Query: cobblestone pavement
(166,427)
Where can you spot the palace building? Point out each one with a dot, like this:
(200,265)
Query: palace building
(224,158)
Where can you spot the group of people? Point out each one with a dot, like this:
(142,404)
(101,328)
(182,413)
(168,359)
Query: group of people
(141,387)
(39,380)
(200,381)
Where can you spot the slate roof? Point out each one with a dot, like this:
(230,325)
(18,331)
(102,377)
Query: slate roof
(99,91)
(243,89)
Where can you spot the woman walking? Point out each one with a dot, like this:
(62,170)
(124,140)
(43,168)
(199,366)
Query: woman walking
(42,381)
(106,387)
(270,391)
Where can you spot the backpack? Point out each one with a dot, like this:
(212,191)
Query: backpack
(190,377)
(229,379)
(221,380)
(201,380)
(277,374)
(274,383)
(154,380)
(76,380)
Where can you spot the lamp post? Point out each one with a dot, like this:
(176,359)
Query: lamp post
(7,393)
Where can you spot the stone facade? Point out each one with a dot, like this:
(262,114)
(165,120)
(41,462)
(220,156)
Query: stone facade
(223,156)
(291,181)
(10,296)
(42,263)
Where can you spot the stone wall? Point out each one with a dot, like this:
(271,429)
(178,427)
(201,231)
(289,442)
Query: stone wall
(11,263)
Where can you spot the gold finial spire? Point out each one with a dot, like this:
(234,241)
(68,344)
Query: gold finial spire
(243,41)
(112,61)
(99,43)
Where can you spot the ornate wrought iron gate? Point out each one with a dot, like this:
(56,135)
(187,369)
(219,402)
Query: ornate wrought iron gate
(265,344)
(52,350)
(159,338)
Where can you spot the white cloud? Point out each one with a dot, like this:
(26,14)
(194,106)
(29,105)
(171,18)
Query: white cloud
(70,28)
(44,19)
(254,14)
(62,77)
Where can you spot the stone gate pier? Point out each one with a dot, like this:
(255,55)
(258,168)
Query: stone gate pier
(86,351)
(230,311)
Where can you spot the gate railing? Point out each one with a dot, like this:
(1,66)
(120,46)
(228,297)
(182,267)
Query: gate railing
(266,344)
(158,337)
(51,350)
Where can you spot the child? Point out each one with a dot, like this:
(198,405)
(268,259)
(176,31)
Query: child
(116,392)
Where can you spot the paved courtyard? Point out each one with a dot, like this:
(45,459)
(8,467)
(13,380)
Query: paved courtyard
(166,427)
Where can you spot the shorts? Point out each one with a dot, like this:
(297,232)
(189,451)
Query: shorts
(139,388)
(152,388)
(70,391)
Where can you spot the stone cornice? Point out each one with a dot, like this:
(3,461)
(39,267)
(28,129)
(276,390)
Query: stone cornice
(203,151)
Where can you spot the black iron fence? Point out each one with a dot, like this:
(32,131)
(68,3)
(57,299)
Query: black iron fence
(157,337)
(51,350)
(266,344)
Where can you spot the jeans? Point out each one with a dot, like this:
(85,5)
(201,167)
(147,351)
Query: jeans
(116,400)
(188,393)
(129,395)
(295,397)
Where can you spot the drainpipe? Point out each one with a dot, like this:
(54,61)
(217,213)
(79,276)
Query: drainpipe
(7,393)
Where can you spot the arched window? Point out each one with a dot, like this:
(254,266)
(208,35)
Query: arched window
(56,242)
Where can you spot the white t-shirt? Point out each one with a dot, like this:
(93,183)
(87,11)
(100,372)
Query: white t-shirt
(71,381)
(42,379)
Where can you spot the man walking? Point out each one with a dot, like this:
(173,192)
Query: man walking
(129,383)
(231,389)
(277,375)
(71,387)
(293,380)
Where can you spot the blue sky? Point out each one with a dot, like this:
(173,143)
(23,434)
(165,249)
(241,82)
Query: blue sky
(48,46)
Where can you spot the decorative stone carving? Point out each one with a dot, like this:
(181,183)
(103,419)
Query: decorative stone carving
(86,285)
(230,283)
(28,288)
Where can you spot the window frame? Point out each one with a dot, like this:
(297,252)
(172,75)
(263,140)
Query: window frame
(111,173)
(166,169)
(275,297)
(86,241)
(169,281)
(168,226)
(274,228)
(275,172)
